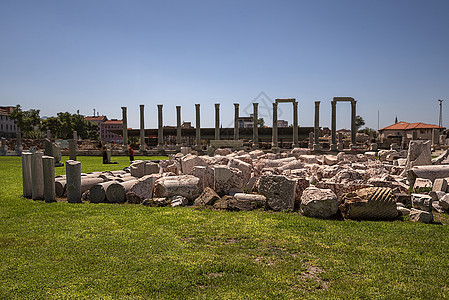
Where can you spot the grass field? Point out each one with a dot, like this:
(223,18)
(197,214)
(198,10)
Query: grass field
(107,251)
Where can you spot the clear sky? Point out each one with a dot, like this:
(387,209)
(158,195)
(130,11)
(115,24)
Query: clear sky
(391,56)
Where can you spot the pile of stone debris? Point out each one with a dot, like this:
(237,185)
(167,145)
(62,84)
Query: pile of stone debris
(363,186)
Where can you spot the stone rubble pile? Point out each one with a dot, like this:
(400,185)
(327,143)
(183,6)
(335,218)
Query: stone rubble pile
(357,186)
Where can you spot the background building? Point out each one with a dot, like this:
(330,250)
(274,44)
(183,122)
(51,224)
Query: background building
(8,128)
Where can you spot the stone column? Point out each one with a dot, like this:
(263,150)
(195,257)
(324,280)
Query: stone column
(334,126)
(255,125)
(316,144)
(217,121)
(236,121)
(19,147)
(73,178)
(72,149)
(340,145)
(295,125)
(48,134)
(48,147)
(160,128)
(274,144)
(37,176)
(178,128)
(311,140)
(26,174)
(75,135)
(125,129)
(435,136)
(353,126)
(48,163)
(142,128)
(3,147)
(198,127)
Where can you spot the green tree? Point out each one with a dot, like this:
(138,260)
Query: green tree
(27,121)
(260,122)
(65,123)
(359,122)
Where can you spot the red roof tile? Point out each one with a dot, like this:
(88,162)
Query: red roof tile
(409,126)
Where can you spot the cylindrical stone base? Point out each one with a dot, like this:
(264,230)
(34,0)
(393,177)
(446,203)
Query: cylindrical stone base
(48,163)
(37,176)
(26,174)
(73,187)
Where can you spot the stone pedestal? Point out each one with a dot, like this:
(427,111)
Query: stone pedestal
(37,176)
(48,163)
(72,149)
(26,174)
(73,177)
(255,126)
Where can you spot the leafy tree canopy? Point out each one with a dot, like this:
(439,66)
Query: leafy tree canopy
(26,121)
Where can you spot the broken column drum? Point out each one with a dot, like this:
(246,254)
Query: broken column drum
(125,129)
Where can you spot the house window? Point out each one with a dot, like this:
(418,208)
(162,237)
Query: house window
(422,131)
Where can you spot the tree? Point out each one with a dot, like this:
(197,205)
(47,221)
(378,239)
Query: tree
(26,121)
(359,122)
(260,122)
(65,123)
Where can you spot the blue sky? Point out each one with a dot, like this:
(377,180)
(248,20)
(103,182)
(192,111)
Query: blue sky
(391,56)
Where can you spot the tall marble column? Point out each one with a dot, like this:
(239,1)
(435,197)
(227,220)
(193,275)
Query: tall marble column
(217,121)
(255,125)
(142,129)
(353,125)
(274,144)
(334,126)
(316,144)
(198,126)
(236,121)
(178,128)
(160,127)
(295,125)
(125,129)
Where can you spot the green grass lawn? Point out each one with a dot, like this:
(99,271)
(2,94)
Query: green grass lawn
(110,251)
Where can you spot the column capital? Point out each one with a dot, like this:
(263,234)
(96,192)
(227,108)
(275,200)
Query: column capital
(217,105)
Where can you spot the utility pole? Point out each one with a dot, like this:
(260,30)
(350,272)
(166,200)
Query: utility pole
(440,122)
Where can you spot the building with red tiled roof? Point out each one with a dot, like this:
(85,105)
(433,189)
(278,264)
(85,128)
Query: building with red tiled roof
(406,131)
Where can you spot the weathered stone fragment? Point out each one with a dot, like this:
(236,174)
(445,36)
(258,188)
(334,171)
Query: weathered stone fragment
(440,185)
(116,192)
(279,190)
(189,161)
(183,185)
(144,187)
(232,204)
(421,216)
(318,203)
(422,202)
(226,178)
(132,198)
(177,201)
(369,203)
(207,197)
(151,168)
(444,202)
(137,169)
(422,183)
